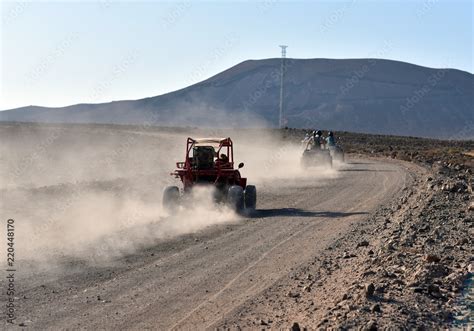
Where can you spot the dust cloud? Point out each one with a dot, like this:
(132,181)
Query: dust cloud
(270,159)
(94,192)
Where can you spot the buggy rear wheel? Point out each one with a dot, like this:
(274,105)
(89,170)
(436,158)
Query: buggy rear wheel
(304,161)
(340,156)
(337,154)
(235,198)
(250,197)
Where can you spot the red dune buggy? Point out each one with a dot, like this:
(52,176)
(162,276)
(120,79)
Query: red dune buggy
(210,161)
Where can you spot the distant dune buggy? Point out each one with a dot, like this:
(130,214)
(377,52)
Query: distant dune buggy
(316,157)
(210,161)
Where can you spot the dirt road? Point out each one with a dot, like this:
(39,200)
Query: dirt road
(196,280)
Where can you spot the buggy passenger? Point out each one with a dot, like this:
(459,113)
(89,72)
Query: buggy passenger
(331,142)
(318,139)
(223,161)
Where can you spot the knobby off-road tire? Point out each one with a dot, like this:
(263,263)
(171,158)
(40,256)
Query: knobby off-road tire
(325,160)
(304,162)
(170,198)
(338,154)
(235,198)
(250,197)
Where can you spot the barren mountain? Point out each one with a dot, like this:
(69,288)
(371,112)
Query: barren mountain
(361,95)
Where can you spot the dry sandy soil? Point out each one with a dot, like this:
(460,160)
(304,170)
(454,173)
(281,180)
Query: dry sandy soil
(95,250)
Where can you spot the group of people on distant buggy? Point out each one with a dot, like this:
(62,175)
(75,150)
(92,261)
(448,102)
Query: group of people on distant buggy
(321,150)
(315,139)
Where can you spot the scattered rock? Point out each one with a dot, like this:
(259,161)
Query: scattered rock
(363,243)
(471,206)
(293,294)
(375,308)
(369,290)
(348,255)
(371,326)
(368,273)
(295,327)
(417,290)
(433,288)
(390,246)
(432,258)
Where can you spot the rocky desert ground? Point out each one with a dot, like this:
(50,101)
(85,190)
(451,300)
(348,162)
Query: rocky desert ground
(383,241)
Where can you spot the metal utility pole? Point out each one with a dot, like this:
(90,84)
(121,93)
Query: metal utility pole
(282,75)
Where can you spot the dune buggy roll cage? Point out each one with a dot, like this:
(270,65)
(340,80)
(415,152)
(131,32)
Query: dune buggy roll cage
(219,172)
(223,143)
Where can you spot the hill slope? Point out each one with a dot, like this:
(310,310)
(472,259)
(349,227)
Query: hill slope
(362,95)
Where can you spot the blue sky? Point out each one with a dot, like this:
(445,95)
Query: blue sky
(63,52)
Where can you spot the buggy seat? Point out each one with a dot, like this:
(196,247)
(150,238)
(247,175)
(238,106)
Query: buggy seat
(203,157)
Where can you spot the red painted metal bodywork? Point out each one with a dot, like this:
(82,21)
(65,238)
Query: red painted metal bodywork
(219,174)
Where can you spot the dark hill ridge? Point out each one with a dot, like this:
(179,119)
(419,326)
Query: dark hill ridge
(362,95)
